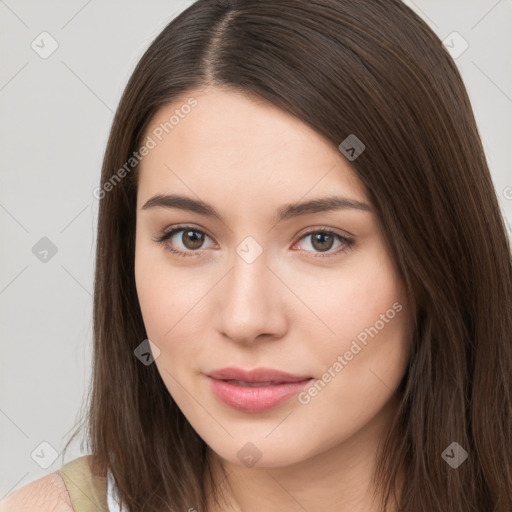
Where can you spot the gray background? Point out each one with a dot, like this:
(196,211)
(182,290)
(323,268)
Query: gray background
(54,122)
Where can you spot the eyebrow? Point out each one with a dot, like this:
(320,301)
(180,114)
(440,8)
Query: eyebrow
(284,212)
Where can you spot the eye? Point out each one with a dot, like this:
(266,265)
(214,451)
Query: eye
(322,240)
(191,241)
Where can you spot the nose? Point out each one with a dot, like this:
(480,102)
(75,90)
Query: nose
(251,302)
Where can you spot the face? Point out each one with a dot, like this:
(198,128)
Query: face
(250,282)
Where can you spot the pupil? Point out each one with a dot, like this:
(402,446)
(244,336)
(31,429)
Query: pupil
(194,241)
(321,239)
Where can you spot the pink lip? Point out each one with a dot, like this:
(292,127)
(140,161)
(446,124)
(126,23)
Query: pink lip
(255,398)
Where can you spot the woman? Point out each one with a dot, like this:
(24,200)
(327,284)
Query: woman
(303,295)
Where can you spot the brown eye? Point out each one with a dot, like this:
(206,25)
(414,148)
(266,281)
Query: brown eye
(322,241)
(188,243)
(192,239)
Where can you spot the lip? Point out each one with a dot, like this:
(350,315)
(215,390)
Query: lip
(256,375)
(255,398)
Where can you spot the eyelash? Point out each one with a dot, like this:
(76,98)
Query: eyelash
(347,242)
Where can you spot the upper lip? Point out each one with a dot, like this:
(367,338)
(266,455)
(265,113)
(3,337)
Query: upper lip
(255,375)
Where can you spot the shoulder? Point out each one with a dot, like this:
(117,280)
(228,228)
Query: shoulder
(76,486)
(46,494)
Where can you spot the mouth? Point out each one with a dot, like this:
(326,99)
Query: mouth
(256,375)
(255,390)
(252,384)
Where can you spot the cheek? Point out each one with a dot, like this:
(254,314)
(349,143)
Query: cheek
(161,304)
(169,298)
(365,312)
(156,291)
(361,361)
(356,296)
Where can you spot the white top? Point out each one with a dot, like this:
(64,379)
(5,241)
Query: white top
(112,500)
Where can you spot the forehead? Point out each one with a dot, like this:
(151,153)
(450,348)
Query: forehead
(225,143)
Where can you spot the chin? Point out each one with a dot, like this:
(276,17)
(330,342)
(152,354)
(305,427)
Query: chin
(258,452)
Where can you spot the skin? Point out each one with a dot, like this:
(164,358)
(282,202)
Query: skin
(291,309)
(46,494)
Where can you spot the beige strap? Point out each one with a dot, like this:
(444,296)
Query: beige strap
(88,492)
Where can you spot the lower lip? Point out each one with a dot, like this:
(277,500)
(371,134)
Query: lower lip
(257,398)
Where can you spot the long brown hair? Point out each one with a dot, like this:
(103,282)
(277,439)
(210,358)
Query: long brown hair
(374,69)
